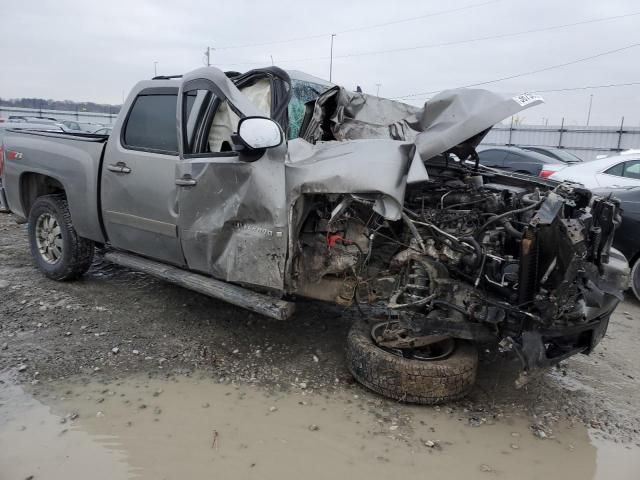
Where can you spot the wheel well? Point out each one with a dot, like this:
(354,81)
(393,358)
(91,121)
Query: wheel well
(34,185)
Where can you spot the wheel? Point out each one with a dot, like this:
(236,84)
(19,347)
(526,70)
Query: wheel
(635,278)
(413,380)
(56,248)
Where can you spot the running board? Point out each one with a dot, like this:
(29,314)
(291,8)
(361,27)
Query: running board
(239,296)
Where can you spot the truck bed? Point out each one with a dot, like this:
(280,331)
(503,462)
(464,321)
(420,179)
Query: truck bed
(72,159)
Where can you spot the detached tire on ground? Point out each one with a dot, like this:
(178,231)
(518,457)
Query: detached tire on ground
(414,381)
(56,248)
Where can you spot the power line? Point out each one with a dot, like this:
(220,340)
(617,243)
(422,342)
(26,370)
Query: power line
(453,42)
(364,27)
(589,87)
(530,72)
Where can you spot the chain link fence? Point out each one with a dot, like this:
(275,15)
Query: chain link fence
(587,142)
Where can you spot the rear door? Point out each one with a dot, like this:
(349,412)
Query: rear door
(233,212)
(139,194)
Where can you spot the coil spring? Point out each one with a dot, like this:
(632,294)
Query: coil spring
(417,286)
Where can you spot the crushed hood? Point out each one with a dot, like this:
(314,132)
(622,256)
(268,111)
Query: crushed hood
(383,145)
(449,119)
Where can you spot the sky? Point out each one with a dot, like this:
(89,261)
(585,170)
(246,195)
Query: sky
(96,51)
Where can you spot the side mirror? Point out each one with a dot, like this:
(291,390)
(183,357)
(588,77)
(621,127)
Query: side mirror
(259,132)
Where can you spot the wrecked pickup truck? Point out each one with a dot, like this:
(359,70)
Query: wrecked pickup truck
(364,202)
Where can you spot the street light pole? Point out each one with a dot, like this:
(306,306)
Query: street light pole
(155,69)
(589,112)
(331,58)
(207,54)
(378,89)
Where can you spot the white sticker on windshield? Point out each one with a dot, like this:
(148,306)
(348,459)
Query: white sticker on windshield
(526,98)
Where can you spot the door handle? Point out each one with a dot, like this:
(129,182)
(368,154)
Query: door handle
(186,182)
(119,167)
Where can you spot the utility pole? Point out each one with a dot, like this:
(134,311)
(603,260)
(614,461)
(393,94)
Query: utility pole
(155,69)
(589,112)
(378,89)
(331,57)
(271,60)
(207,54)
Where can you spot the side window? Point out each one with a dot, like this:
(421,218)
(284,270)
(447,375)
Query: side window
(632,169)
(209,123)
(491,157)
(616,170)
(151,124)
(513,158)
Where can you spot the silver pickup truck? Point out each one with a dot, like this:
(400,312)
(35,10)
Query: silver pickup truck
(260,188)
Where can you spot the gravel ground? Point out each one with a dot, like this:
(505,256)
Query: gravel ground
(115,322)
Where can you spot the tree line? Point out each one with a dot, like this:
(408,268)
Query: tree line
(49,104)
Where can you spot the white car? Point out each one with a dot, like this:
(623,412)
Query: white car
(617,171)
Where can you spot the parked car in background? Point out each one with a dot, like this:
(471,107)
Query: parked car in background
(33,119)
(627,235)
(90,127)
(71,125)
(4,126)
(103,131)
(515,159)
(616,171)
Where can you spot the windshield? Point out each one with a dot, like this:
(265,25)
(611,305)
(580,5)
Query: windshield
(302,92)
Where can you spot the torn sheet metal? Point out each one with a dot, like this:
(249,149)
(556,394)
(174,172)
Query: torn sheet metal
(357,166)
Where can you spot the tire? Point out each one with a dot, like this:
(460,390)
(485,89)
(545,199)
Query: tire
(634,281)
(56,248)
(413,381)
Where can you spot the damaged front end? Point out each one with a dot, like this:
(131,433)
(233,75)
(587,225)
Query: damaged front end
(471,254)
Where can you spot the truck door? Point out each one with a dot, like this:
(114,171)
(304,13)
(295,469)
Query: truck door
(233,212)
(138,190)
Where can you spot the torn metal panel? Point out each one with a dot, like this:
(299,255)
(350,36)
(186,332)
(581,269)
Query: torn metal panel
(358,166)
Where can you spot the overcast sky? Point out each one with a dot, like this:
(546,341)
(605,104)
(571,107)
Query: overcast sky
(95,51)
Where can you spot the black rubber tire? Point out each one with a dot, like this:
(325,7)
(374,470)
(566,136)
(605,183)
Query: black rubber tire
(407,380)
(634,281)
(77,252)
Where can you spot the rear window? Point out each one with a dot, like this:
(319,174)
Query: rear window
(616,170)
(151,124)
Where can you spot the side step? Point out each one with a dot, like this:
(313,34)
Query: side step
(242,297)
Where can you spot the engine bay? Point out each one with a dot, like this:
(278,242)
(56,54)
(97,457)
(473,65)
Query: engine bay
(477,254)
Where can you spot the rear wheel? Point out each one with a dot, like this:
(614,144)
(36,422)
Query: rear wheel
(56,248)
(441,373)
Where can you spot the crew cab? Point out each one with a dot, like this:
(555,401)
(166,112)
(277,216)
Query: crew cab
(363,202)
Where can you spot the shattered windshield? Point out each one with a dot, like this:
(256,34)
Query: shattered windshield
(302,92)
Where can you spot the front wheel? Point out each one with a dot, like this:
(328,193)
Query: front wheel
(635,278)
(57,250)
(438,379)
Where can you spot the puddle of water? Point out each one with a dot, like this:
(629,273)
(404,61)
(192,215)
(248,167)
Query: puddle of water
(153,429)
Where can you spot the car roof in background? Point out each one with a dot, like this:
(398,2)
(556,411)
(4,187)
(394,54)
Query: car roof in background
(561,152)
(527,153)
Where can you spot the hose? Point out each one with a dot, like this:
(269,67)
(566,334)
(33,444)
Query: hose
(502,216)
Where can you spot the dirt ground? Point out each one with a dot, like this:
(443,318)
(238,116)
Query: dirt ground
(115,325)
